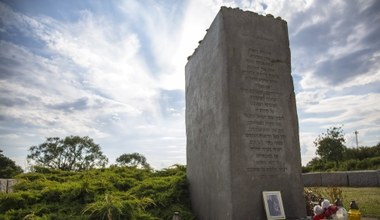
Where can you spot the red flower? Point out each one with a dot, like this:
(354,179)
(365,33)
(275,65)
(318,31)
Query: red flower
(332,209)
(319,217)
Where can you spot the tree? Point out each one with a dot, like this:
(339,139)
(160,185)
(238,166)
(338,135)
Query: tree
(330,146)
(362,152)
(73,153)
(8,168)
(316,164)
(133,160)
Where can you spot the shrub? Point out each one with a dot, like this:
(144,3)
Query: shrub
(374,162)
(120,192)
(350,164)
(363,164)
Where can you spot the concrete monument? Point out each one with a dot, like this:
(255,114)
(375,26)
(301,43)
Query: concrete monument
(241,119)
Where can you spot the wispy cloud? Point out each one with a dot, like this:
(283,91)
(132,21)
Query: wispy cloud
(337,42)
(90,78)
(116,73)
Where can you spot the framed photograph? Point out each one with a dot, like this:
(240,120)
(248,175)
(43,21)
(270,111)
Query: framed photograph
(273,205)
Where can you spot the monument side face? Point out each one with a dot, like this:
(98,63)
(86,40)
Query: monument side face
(241,119)
(208,144)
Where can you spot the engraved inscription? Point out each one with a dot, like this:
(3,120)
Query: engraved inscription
(262,117)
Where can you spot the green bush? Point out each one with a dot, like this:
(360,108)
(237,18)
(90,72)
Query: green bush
(374,163)
(362,158)
(330,166)
(350,164)
(117,192)
(363,164)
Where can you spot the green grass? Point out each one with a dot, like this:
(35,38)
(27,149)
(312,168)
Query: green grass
(367,198)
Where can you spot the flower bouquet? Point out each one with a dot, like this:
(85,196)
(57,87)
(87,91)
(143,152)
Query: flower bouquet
(325,210)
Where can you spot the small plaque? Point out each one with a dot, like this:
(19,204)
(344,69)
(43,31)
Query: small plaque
(273,205)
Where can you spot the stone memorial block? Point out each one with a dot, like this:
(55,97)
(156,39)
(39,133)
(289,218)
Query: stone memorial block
(241,119)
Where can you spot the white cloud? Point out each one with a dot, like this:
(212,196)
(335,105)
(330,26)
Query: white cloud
(110,64)
(173,35)
(117,72)
(114,66)
(285,9)
(307,98)
(360,81)
(354,112)
(310,81)
(361,103)
(307,146)
(90,63)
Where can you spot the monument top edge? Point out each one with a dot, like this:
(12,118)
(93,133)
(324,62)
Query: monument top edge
(225,9)
(251,12)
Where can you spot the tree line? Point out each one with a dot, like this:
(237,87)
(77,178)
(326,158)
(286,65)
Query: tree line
(334,155)
(75,153)
(70,180)
(72,153)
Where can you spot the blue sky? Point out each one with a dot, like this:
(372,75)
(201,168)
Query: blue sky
(114,71)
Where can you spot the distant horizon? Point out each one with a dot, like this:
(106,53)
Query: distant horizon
(114,71)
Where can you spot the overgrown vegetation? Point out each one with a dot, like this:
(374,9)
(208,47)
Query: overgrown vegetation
(333,155)
(362,158)
(70,182)
(107,193)
(8,167)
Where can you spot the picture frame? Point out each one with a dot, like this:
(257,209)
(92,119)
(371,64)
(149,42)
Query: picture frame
(273,205)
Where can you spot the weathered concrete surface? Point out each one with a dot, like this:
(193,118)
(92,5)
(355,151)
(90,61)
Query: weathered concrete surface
(334,179)
(241,119)
(208,133)
(11,183)
(364,178)
(312,179)
(3,185)
(6,185)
